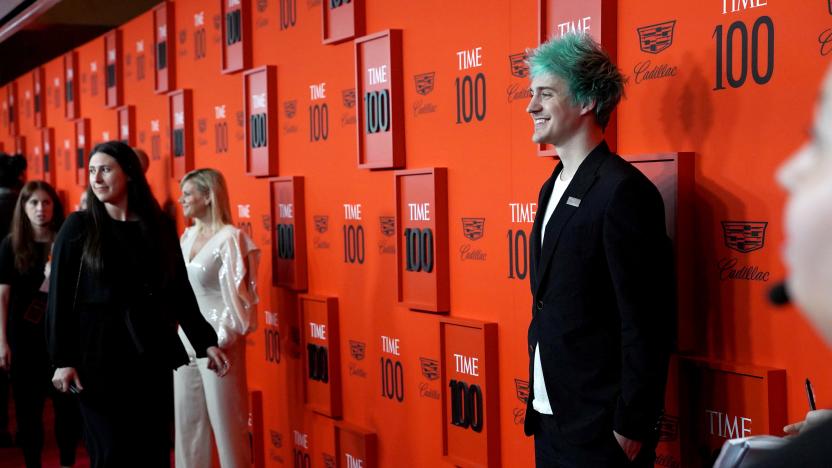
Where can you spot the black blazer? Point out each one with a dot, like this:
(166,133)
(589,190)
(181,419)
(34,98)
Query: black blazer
(98,322)
(603,301)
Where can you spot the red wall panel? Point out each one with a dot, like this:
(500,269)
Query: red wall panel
(71,85)
(38,97)
(380,105)
(470,393)
(164,64)
(126,124)
(288,214)
(342,20)
(599,19)
(261,121)
(114,69)
(236,33)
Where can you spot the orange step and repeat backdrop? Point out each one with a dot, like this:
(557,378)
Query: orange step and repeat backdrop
(380,156)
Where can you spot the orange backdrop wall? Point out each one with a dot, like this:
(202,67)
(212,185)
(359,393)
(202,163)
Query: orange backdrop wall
(741,120)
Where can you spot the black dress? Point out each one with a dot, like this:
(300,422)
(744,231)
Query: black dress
(117,328)
(31,372)
(8,198)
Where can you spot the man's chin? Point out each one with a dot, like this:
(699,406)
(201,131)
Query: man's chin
(540,138)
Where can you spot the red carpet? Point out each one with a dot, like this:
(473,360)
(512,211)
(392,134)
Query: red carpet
(13,457)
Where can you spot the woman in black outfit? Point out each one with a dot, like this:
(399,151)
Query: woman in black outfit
(118,291)
(11,172)
(38,215)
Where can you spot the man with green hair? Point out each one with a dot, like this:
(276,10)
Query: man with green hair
(602,275)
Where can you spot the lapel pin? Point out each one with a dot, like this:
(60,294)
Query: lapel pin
(572,201)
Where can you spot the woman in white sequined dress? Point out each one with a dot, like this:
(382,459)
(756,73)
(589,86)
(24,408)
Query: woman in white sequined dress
(222,266)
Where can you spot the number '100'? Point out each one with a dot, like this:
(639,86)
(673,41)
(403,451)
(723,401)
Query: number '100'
(233,27)
(392,379)
(285,241)
(318,363)
(258,130)
(377,111)
(418,249)
(178,142)
(353,244)
(470,98)
(302,459)
(735,80)
(466,405)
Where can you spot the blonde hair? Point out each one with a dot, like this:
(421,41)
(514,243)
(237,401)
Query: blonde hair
(211,183)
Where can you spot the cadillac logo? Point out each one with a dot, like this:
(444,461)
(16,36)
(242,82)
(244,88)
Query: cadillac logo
(744,236)
(290,108)
(277,439)
(388,225)
(522,388)
(656,37)
(348,95)
(519,67)
(430,368)
(668,428)
(357,350)
(424,83)
(321,223)
(473,228)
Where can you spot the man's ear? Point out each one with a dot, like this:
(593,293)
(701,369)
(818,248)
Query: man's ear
(588,107)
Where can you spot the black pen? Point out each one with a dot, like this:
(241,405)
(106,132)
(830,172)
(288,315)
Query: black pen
(810,395)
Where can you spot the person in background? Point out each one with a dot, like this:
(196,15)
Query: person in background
(222,266)
(82,201)
(118,290)
(807,177)
(23,255)
(144,161)
(12,169)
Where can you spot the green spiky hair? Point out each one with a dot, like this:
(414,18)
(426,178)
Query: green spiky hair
(587,70)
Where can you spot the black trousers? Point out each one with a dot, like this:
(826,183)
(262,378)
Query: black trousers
(126,418)
(4,403)
(31,386)
(553,450)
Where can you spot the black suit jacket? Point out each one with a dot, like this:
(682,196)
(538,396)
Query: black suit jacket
(603,301)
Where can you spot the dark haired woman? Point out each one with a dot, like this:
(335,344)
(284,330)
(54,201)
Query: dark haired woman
(118,291)
(38,215)
(11,170)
